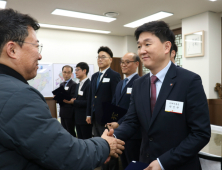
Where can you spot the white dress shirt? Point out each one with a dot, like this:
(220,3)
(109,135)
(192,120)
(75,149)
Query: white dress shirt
(103,72)
(81,83)
(130,77)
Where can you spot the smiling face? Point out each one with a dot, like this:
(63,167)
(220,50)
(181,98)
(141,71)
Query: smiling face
(128,64)
(29,55)
(154,54)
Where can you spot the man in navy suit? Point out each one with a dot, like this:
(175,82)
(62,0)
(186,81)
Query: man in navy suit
(169,104)
(84,130)
(173,53)
(102,89)
(66,110)
(129,64)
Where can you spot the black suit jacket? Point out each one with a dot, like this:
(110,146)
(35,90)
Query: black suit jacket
(80,104)
(66,110)
(174,138)
(123,100)
(104,93)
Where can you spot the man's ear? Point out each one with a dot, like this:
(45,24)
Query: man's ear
(167,47)
(11,49)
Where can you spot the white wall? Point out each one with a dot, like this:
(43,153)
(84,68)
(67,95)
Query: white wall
(72,47)
(208,66)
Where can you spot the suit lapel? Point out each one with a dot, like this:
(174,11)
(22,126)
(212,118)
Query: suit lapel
(104,76)
(128,85)
(145,98)
(165,90)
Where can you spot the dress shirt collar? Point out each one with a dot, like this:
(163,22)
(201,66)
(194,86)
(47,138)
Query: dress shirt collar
(131,76)
(104,71)
(9,71)
(83,81)
(161,74)
(68,80)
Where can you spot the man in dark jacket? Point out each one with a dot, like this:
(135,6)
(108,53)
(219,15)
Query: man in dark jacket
(66,112)
(30,139)
(84,130)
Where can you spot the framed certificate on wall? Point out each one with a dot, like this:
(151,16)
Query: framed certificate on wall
(194,44)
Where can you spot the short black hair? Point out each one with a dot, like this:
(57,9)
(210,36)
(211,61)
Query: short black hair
(159,29)
(174,47)
(68,67)
(14,26)
(83,66)
(107,50)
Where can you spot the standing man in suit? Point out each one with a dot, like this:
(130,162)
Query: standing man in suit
(84,130)
(66,110)
(102,89)
(168,103)
(129,64)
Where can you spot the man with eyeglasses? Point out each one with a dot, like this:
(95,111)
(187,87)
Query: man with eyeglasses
(129,64)
(30,138)
(102,89)
(84,130)
(66,111)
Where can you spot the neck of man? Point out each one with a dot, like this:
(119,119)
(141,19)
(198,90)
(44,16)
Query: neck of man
(129,74)
(161,67)
(101,69)
(82,78)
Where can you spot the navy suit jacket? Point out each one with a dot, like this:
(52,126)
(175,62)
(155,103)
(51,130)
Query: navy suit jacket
(104,93)
(66,110)
(80,104)
(123,100)
(174,138)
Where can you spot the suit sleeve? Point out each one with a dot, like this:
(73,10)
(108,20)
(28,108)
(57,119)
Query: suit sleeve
(43,140)
(197,115)
(73,90)
(114,82)
(89,102)
(131,122)
(83,103)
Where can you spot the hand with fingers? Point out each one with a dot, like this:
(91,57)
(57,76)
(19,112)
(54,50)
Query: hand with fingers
(112,125)
(116,145)
(88,120)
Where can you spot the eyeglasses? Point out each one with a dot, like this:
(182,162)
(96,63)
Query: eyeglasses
(102,58)
(78,69)
(126,62)
(39,46)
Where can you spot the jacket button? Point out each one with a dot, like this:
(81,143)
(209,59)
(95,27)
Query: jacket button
(95,96)
(147,155)
(151,139)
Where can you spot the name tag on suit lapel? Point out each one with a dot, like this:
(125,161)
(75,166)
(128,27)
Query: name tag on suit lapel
(129,90)
(80,93)
(106,80)
(174,106)
(66,88)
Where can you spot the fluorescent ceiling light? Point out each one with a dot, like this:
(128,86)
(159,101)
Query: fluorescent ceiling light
(73,28)
(2,4)
(212,0)
(82,15)
(154,17)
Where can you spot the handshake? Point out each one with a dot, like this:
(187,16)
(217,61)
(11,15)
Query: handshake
(116,145)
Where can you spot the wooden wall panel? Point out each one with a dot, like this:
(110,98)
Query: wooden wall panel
(215,109)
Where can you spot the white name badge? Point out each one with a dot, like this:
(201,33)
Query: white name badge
(80,93)
(66,88)
(174,106)
(129,90)
(106,80)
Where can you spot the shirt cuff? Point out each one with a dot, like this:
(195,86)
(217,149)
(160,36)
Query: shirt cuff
(160,164)
(88,116)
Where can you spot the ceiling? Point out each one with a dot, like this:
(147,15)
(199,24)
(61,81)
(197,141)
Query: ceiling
(129,11)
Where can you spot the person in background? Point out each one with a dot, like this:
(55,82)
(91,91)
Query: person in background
(84,130)
(102,89)
(173,53)
(129,65)
(30,139)
(66,112)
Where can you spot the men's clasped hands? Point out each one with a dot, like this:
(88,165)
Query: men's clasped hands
(116,145)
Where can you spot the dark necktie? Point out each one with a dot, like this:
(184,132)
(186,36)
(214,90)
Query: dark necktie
(98,80)
(124,84)
(154,79)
